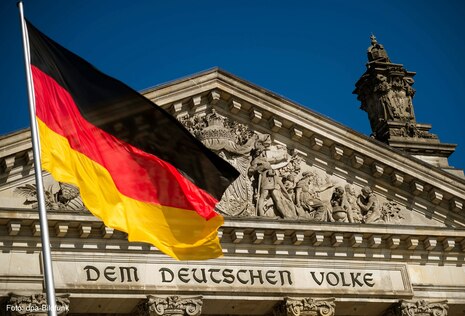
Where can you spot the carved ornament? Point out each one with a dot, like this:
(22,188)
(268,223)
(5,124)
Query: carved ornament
(66,197)
(305,307)
(418,308)
(36,304)
(171,305)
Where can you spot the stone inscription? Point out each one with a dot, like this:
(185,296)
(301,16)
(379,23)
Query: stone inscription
(350,279)
(112,274)
(229,276)
(356,279)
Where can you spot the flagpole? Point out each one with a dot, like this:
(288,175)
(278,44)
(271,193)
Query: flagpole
(47,259)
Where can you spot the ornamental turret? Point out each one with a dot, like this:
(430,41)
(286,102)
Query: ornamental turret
(386,93)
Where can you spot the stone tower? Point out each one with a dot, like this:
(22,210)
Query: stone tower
(386,93)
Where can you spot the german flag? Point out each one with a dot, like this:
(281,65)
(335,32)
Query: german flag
(138,169)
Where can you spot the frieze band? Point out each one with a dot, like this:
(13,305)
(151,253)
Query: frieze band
(371,280)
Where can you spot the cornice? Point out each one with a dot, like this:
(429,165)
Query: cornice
(20,231)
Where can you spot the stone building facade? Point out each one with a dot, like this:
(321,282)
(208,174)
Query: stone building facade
(321,221)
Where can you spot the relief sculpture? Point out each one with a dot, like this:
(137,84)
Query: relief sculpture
(308,200)
(274,181)
(65,197)
(277,183)
(233,142)
(395,97)
(272,197)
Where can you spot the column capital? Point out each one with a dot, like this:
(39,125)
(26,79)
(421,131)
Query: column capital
(418,308)
(171,305)
(305,307)
(35,304)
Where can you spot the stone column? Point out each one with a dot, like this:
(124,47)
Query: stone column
(35,305)
(171,305)
(418,308)
(305,307)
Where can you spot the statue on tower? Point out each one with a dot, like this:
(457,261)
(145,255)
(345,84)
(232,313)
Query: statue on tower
(386,93)
(376,51)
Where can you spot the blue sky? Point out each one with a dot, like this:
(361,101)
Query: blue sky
(311,52)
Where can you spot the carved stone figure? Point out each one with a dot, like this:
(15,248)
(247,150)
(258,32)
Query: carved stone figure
(353,213)
(369,205)
(269,184)
(289,185)
(384,110)
(308,201)
(237,199)
(340,205)
(233,142)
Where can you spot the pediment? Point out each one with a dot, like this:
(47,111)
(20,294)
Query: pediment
(237,119)
(295,164)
